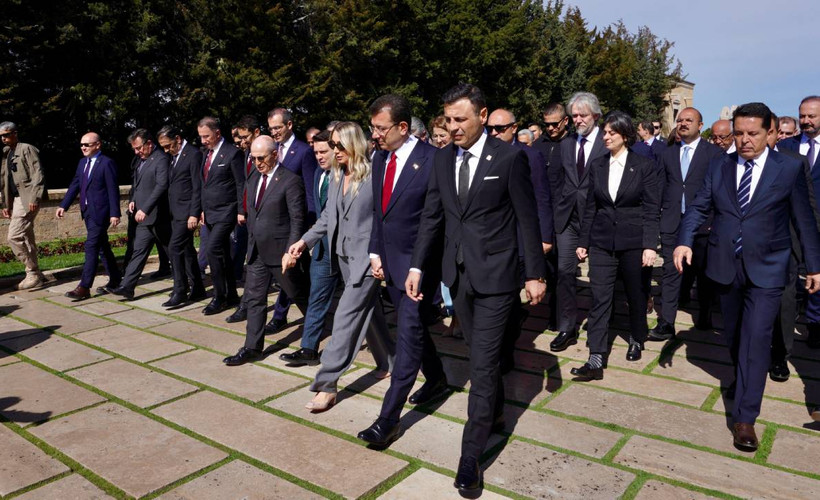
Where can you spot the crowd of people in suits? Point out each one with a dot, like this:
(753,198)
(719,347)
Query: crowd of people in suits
(469,214)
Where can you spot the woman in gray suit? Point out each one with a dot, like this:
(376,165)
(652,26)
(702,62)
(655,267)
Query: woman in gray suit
(346,221)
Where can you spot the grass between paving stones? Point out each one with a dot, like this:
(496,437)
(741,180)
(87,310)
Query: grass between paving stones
(711,399)
(188,478)
(22,491)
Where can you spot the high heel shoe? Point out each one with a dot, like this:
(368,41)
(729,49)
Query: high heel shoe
(323,401)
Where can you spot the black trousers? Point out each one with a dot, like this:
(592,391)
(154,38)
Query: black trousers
(783,336)
(566,280)
(183,257)
(144,238)
(219,259)
(483,320)
(674,283)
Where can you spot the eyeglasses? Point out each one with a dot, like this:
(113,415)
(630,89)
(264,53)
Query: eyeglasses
(138,148)
(722,137)
(381,131)
(500,128)
(6,134)
(552,124)
(87,144)
(337,145)
(260,159)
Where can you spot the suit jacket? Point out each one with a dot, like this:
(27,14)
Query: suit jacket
(570,194)
(501,195)
(551,150)
(644,150)
(543,195)
(781,194)
(301,161)
(102,192)
(674,186)
(321,248)
(183,184)
(395,231)
(149,190)
(280,220)
(27,175)
(793,144)
(347,227)
(630,221)
(221,195)
(658,147)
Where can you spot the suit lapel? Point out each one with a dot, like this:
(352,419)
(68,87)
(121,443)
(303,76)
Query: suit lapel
(570,160)
(676,166)
(767,176)
(450,177)
(377,175)
(273,183)
(730,179)
(603,183)
(484,162)
(628,178)
(408,173)
(597,150)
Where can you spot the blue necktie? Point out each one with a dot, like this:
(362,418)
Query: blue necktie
(744,196)
(684,169)
(84,184)
(810,154)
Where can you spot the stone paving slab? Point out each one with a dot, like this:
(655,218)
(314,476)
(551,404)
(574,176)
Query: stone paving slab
(139,318)
(314,456)
(152,301)
(10,328)
(102,307)
(796,451)
(133,343)
(535,361)
(74,487)
(617,356)
(6,358)
(64,320)
(53,351)
(33,395)
(133,452)
(14,297)
(715,472)
(711,352)
(218,340)
(23,464)
(272,359)
(779,412)
(795,389)
(239,480)
(651,417)
(248,381)
(365,381)
(132,383)
(155,285)
(539,472)
(706,372)
(425,484)
(217,320)
(653,490)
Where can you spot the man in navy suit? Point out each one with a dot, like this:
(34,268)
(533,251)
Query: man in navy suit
(297,157)
(646,131)
(808,144)
(96,183)
(753,195)
(401,169)
(682,169)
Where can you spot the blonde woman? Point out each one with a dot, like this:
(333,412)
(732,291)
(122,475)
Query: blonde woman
(347,221)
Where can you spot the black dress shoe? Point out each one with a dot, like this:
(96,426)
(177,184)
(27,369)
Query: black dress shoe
(301,357)
(275,325)
(563,340)
(634,352)
(243,356)
(177,299)
(381,433)
(160,273)
(779,371)
(429,391)
(78,294)
(664,331)
(197,294)
(468,477)
(241,314)
(586,372)
(121,291)
(215,306)
(102,290)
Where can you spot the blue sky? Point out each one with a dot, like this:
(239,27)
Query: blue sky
(734,51)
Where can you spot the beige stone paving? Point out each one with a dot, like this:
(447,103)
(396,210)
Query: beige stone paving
(74,487)
(580,353)
(6,358)
(133,343)
(200,335)
(54,351)
(364,380)
(62,319)
(779,412)
(133,452)
(217,320)
(140,318)
(23,464)
(102,307)
(10,328)
(152,301)
(425,484)
(350,470)
(796,451)
(653,490)
(706,372)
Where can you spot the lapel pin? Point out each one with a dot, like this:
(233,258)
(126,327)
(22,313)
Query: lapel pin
(415,166)
(489,157)
(631,169)
(276,179)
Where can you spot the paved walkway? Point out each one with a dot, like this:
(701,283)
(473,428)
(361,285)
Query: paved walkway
(105,398)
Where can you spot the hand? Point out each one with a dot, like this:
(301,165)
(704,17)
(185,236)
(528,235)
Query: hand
(240,219)
(193,222)
(202,218)
(287,262)
(140,216)
(813,282)
(297,248)
(546,247)
(59,213)
(115,221)
(376,267)
(536,289)
(7,214)
(131,207)
(648,258)
(411,284)
(682,254)
(32,207)
(581,253)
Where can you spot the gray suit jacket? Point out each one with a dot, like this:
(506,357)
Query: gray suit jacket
(347,229)
(150,190)
(280,218)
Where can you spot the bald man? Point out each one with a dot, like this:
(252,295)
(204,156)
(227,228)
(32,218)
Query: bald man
(722,136)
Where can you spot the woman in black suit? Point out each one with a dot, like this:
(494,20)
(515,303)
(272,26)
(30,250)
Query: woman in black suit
(620,234)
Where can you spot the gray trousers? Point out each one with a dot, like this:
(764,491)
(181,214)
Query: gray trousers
(358,315)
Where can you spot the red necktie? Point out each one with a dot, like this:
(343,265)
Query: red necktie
(207,164)
(387,188)
(248,166)
(261,191)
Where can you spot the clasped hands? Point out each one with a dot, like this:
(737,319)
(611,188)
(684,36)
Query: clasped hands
(290,258)
(647,258)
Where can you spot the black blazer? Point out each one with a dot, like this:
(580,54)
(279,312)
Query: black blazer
(570,192)
(183,181)
(221,196)
(149,191)
(501,194)
(280,220)
(674,186)
(631,220)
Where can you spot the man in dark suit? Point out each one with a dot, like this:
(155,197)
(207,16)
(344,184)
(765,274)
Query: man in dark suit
(222,184)
(808,144)
(401,170)
(183,179)
(479,190)
(646,132)
(753,195)
(569,200)
(297,157)
(96,183)
(149,204)
(682,169)
(276,220)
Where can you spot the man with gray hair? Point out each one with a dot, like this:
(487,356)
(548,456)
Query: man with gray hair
(787,128)
(418,129)
(22,185)
(571,187)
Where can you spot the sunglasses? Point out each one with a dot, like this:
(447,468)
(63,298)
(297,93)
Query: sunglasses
(552,124)
(87,144)
(500,128)
(336,145)
(259,159)
(6,134)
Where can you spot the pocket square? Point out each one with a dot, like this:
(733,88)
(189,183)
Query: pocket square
(221,164)
(490,177)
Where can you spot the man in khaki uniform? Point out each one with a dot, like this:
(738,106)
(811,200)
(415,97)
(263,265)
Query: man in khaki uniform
(22,186)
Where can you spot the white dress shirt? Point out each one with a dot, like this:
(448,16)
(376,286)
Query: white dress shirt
(759,162)
(475,150)
(588,146)
(93,161)
(267,183)
(402,155)
(286,147)
(616,172)
(804,146)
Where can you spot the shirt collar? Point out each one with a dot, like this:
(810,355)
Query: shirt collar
(288,143)
(619,160)
(591,136)
(692,144)
(478,147)
(804,139)
(759,161)
(403,153)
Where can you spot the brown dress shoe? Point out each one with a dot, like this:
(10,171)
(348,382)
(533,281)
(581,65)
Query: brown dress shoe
(745,437)
(79,293)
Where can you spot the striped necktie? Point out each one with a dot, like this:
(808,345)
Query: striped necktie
(744,196)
